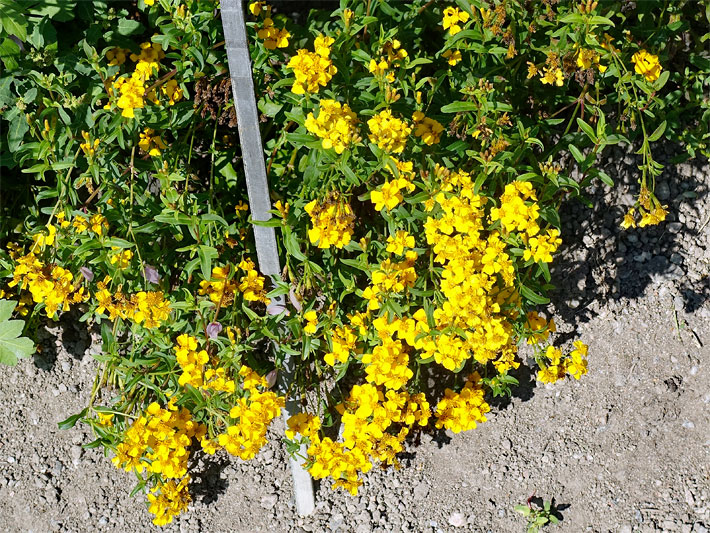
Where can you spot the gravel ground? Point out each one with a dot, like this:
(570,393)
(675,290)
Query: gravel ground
(626,449)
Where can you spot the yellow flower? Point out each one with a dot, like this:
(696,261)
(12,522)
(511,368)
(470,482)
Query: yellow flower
(399,242)
(347,16)
(629,220)
(452,17)
(427,128)
(273,37)
(116,56)
(388,132)
(647,65)
(336,124)
(552,76)
(332,222)
(87,146)
(151,143)
(256,7)
(312,70)
(311,319)
(453,56)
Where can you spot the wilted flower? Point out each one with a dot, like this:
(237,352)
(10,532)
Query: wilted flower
(213,329)
(88,274)
(151,274)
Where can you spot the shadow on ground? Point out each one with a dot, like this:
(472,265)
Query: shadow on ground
(601,262)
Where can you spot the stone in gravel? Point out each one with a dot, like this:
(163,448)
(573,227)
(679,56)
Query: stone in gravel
(699,528)
(421,490)
(625,529)
(268,501)
(75,453)
(457,520)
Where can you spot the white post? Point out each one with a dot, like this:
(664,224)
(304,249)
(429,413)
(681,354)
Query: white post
(237,46)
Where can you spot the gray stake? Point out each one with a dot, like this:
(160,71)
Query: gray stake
(235,36)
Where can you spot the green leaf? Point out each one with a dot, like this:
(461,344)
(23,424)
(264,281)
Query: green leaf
(658,133)
(458,107)
(13,21)
(576,153)
(605,178)
(16,132)
(9,53)
(206,254)
(12,346)
(119,243)
(6,307)
(596,19)
(586,128)
(129,27)
(531,295)
(72,420)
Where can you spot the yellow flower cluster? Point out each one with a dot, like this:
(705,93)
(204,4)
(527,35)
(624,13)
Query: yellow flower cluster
(272,36)
(370,419)
(303,424)
(651,210)
(116,56)
(132,89)
(343,340)
(121,259)
(391,278)
(252,415)
(221,289)
(147,308)
(151,143)
(462,411)
(313,70)
(333,221)
(587,58)
(148,61)
(168,499)
(542,246)
(388,364)
(477,280)
(192,363)
(132,95)
(336,124)
(399,242)
(50,285)
(87,146)
(539,327)
(96,223)
(389,133)
(427,128)
(172,91)
(390,194)
(453,18)
(159,441)
(555,367)
(647,65)
(519,210)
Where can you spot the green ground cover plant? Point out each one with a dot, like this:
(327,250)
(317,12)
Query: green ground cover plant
(417,154)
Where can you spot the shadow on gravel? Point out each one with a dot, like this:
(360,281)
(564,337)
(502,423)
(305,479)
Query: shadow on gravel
(601,262)
(75,339)
(208,484)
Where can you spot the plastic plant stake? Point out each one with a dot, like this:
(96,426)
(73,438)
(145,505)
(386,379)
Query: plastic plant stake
(235,36)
